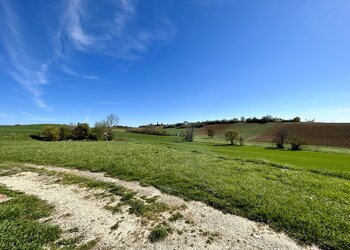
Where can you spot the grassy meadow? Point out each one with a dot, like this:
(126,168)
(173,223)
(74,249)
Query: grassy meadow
(305,194)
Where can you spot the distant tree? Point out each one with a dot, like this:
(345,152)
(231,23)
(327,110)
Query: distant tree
(189,133)
(112,120)
(296,119)
(102,131)
(281,138)
(211,133)
(231,136)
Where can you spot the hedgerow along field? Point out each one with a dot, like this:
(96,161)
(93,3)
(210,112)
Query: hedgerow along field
(309,203)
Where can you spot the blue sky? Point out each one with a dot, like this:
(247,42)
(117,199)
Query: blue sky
(173,60)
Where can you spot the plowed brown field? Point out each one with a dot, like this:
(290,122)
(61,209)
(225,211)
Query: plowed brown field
(325,134)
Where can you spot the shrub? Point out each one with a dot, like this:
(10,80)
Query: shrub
(189,134)
(65,133)
(51,133)
(158,233)
(296,144)
(211,133)
(241,141)
(231,136)
(102,131)
(81,132)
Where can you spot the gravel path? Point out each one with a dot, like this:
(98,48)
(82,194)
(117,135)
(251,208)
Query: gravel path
(203,227)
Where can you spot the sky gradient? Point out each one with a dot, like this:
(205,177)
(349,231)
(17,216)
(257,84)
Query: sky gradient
(69,61)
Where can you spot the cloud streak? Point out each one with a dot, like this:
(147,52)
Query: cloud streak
(23,66)
(107,28)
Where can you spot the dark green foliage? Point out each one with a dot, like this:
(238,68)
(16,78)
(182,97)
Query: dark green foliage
(159,233)
(231,136)
(295,144)
(211,133)
(81,132)
(65,133)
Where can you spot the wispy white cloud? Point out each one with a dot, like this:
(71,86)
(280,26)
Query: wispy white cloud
(23,66)
(75,74)
(116,34)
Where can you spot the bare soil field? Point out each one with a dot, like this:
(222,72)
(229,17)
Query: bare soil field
(323,134)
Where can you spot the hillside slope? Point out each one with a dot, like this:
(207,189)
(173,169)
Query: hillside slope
(323,134)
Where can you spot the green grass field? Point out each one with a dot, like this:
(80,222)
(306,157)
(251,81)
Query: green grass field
(19,228)
(305,194)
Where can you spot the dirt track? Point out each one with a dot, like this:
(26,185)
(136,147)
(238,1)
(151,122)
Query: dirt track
(201,228)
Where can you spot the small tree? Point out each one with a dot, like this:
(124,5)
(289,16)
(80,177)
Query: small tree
(211,133)
(231,136)
(281,138)
(102,131)
(189,134)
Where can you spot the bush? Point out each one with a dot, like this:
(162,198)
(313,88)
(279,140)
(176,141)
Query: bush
(296,144)
(211,133)
(158,233)
(65,133)
(81,132)
(241,141)
(189,134)
(102,131)
(51,133)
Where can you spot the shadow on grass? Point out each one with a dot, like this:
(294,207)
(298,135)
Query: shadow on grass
(37,137)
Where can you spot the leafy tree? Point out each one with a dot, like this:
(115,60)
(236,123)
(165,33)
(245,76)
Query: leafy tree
(231,136)
(211,133)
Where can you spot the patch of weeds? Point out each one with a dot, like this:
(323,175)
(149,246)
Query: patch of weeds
(115,226)
(159,233)
(127,196)
(115,208)
(152,199)
(73,230)
(175,217)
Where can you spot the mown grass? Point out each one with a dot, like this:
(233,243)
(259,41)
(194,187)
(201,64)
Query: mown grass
(311,207)
(19,226)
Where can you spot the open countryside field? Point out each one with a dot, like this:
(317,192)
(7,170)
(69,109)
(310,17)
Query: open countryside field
(304,194)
